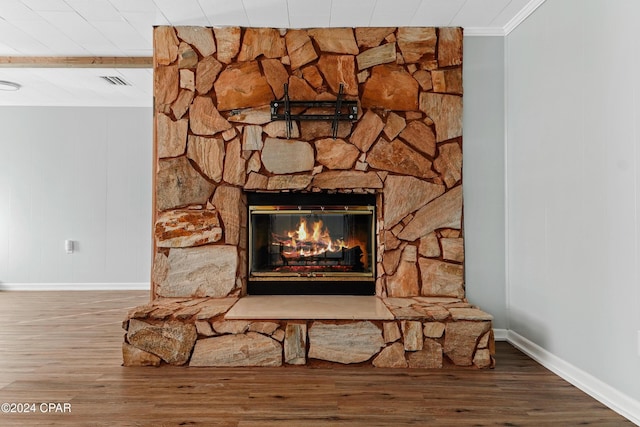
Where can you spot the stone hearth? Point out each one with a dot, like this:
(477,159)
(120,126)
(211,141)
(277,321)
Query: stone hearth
(215,142)
(419,332)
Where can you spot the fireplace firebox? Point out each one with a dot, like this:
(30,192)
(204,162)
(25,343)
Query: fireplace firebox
(311,243)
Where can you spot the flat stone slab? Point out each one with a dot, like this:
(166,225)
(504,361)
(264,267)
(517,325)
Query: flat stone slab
(308,307)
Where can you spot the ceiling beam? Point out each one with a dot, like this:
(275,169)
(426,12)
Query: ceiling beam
(76,62)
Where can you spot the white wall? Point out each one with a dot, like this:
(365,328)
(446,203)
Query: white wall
(483,171)
(573,153)
(75,173)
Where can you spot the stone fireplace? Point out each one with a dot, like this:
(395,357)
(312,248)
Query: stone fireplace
(245,205)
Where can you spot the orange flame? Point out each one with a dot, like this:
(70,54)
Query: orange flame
(305,242)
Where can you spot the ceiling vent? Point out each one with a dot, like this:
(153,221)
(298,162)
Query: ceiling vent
(115,80)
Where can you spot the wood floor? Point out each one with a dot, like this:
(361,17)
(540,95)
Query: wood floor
(64,347)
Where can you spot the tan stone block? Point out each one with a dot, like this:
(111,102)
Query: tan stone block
(444,211)
(181,105)
(171,341)
(453,249)
(166,84)
(338,69)
(207,71)
(416,42)
(450,46)
(204,328)
(299,89)
(313,76)
(295,344)
(278,129)
(391,332)
(310,130)
(420,137)
(228,39)
(285,156)
(482,359)
(390,241)
(429,357)
(204,119)
(441,278)
(256,181)
(261,41)
(469,314)
(187,79)
(192,273)
(396,156)
(372,37)
(171,136)
(449,163)
(394,125)
(391,357)
(391,260)
(390,87)
(165,45)
(227,201)
(252,138)
(448,80)
(412,335)
(184,228)
(429,246)
(376,56)
(231,326)
(404,283)
(253,116)
(336,154)
(289,182)
(242,85)
(367,130)
(423,77)
(200,38)
(187,57)
(235,171)
(446,112)
(460,340)
(362,76)
(299,48)
(251,349)
(133,356)
(336,40)
(433,329)
(276,76)
(353,342)
(265,328)
(436,313)
(214,307)
(178,184)
(406,194)
(208,154)
(332,180)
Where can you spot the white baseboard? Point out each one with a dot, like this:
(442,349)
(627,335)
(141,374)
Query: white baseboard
(604,393)
(500,334)
(75,286)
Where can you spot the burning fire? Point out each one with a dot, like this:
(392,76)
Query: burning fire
(305,242)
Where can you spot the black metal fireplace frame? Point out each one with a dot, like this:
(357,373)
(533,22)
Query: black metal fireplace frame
(304,285)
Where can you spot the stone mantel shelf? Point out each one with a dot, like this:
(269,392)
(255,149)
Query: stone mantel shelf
(338,307)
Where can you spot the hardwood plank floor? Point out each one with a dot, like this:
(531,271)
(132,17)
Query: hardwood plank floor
(65,347)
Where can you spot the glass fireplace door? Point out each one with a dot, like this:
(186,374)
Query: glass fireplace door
(316,243)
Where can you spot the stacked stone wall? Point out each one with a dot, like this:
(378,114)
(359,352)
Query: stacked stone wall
(215,141)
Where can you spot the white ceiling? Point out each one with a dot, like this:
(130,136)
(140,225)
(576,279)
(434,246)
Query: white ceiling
(124,28)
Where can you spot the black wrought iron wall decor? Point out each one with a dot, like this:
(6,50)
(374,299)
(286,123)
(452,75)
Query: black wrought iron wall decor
(281,110)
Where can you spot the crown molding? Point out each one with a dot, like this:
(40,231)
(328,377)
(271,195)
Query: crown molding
(522,15)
